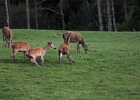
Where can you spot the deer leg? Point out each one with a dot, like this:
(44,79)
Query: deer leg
(38,59)
(4,40)
(34,61)
(24,56)
(78,48)
(14,54)
(70,58)
(60,56)
(7,41)
(42,60)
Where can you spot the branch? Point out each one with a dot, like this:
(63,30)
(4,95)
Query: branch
(51,10)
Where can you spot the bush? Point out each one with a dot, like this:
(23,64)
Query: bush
(133,21)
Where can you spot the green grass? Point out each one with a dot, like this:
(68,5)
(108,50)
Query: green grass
(110,70)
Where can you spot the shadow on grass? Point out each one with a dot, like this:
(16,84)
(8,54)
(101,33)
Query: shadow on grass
(18,61)
(47,63)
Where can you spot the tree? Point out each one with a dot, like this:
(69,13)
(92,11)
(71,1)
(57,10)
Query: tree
(27,14)
(62,14)
(7,13)
(113,15)
(71,14)
(100,15)
(36,14)
(125,9)
(10,14)
(109,15)
(94,22)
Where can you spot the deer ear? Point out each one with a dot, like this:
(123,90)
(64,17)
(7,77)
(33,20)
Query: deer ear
(50,42)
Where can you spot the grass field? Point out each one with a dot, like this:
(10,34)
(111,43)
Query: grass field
(110,70)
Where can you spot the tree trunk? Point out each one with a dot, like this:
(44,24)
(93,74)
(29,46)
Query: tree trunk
(109,15)
(36,20)
(10,15)
(27,14)
(88,7)
(100,15)
(7,14)
(62,14)
(113,13)
(125,9)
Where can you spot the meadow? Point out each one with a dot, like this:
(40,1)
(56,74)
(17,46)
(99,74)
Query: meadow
(109,71)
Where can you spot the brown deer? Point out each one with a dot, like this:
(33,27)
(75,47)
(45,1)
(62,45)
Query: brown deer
(19,47)
(7,36)
(33,54)
(65,49)
(76,38)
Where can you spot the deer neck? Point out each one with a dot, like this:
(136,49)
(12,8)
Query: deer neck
(83,43)
(68,40)
(46,47)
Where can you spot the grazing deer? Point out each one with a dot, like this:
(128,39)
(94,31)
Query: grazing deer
(75,38)
(33,54)
(65,49)
(19,47)
(7,36)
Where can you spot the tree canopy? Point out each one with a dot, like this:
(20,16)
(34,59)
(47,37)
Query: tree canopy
(71,14)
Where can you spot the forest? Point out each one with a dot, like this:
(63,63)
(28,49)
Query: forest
(94,15)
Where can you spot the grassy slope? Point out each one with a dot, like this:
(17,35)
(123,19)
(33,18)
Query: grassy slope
(110,70)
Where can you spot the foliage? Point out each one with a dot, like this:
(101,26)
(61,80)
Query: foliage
(76,14)
(110,70)
(133,21)
(82,18)
(19,20)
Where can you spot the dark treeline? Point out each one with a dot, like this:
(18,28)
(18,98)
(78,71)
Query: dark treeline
(103,15)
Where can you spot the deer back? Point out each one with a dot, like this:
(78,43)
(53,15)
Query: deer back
(21,46)
(74,37)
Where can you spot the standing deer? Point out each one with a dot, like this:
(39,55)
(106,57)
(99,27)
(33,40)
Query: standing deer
(33,54)
(19,47)
(65,49)
(7,36)
(75,38)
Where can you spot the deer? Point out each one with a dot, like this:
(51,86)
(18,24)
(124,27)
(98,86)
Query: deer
(75,38)
(65,49)
(19,47)
(7,36)
(35,53)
